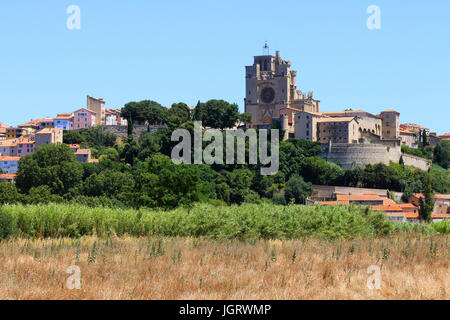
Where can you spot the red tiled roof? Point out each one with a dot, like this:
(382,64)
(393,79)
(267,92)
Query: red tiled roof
(390,207)
(407,131)
(359,197)
(407,206)
(436,196)
(8,176)
(333,203)
(7,158)
(48,130)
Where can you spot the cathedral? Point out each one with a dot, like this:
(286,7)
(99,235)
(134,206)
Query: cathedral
(272,95)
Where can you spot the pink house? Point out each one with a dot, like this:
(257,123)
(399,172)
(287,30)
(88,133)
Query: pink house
(25,146)
(83,118)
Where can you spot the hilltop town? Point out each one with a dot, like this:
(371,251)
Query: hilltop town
(349,138)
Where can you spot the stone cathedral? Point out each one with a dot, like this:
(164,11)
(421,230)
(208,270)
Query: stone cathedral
(272,95)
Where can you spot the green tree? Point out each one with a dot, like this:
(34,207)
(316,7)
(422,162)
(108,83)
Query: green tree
(152,112)
(442,154)
(8,193)
(53,165)
(161,183)
(217,114)
(246,118)
(297,190)
(426,205)
(178,114)
(130,112)
(72,137)
(97,137)
(130,150)
(42,194)
(108,183)
(239,181)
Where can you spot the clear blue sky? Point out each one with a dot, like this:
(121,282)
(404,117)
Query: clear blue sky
(172,51)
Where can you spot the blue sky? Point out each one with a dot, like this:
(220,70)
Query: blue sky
(172,51)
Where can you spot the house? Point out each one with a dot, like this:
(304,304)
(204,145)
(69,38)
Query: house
(367,199)
(83,118)
(414,127)
(414,217)
(113,118)
(8,147)
(393,211)
(49,136)
(97,105)
(8,177)
(433,139)
(2,125)
(84,156)
(64,121)
(9,164)
(74,147)
(409,208)
(37,124)
(13,133)
(441,202)
(25,146)
(445,136)
(409,138)
(2,133)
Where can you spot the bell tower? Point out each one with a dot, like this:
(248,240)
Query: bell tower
(270,87)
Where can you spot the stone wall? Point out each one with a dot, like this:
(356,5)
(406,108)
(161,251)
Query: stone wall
(122,131)
(324,193)
(359,155)
(415,161)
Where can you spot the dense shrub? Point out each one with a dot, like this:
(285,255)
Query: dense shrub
(247,221)
(6,225)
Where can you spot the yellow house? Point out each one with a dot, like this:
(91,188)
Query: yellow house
(13,133)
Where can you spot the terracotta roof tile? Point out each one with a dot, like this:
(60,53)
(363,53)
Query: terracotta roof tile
(7,158)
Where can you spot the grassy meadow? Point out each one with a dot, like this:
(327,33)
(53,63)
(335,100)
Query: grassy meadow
(206,252)
(411,267)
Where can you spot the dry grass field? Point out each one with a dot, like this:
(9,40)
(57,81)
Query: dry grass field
(412,267)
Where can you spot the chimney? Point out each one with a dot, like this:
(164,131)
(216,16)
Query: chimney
(278,54)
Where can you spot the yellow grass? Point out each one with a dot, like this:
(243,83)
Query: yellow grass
(412,267)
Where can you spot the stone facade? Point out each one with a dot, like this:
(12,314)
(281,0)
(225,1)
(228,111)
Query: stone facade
(122,131)
(359,155)
(49,136)
(391,124)
(270,87)
(98,106)
(417,162)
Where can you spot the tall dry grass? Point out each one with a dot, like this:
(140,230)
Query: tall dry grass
(412,267)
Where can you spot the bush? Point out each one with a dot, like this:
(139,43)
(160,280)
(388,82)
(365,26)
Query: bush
(442,227)
(297,190)
(248,221)
(279,199)
(419,152)
(8,193)
(6,225)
